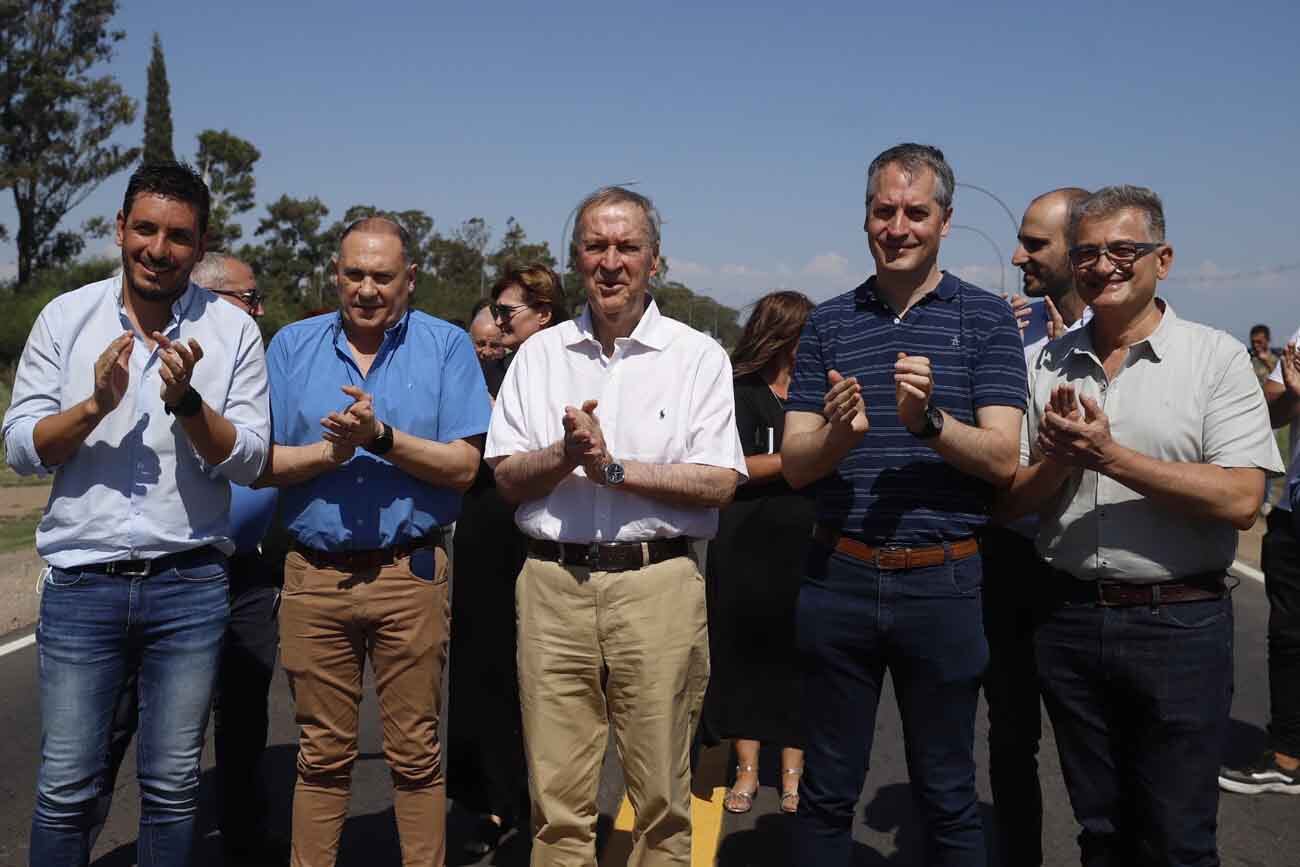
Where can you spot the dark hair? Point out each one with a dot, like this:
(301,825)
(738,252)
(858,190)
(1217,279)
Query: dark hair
(772,328)
(171,181)
(1261,329)
(911,158)
(382,224)
(540,285)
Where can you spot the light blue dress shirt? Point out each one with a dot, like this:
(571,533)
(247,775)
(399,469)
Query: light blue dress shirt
(136,489)
(426,381)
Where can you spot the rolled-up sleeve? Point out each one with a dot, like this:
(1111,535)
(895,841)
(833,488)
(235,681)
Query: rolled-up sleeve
(36,394)
(712,439)
(248,409)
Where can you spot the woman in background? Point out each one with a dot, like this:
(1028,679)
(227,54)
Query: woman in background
(485,747)
(755,565)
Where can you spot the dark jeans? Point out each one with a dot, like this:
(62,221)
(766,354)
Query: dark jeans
(1013,575)
(95,632)
(1139,700)
(246,666)
(1281,562)
(853,622)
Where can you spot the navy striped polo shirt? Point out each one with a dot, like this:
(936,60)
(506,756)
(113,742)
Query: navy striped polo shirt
(892,488)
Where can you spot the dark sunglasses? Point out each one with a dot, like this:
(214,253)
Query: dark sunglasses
(1122,254)
(252,297)
(505,312)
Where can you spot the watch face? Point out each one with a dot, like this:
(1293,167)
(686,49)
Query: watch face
(614,474)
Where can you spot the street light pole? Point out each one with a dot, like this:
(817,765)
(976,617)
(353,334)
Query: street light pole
(1002,264)
(1015,224)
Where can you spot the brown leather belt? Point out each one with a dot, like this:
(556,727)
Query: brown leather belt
(610,556)
(894,557)
(1202,587)
(372,558)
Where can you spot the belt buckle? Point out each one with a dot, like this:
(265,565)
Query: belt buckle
(892,549)
(134,573)
(1102,587)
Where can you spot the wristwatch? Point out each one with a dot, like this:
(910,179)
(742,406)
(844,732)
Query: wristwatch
(383,440)
(933,424)
(614,474)
(189,405)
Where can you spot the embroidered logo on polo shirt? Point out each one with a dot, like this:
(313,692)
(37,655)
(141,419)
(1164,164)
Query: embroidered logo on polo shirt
(956,341)
(661,414)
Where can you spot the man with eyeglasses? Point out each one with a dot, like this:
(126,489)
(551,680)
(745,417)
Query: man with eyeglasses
(1150,446)
(378,414)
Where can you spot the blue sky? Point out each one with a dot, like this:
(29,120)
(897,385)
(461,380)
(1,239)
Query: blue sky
(751,124)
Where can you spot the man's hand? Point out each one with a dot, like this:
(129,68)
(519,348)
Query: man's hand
(844,407)
(1290,364)
(112,374)
(177,359)
(355,427)
(584,441)
(1079,440)
(913,385)
(1021,308)
(1055,321)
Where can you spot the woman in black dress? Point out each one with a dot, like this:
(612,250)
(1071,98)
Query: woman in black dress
(755,565)
(485,746)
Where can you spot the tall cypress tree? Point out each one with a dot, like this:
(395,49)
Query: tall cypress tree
(158,110)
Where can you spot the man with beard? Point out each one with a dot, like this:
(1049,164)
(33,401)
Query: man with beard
(379,412)
(893,575)
(146,396)
(1012,568)
(1150,449)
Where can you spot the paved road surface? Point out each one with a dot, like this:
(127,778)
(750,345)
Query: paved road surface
(1253,831)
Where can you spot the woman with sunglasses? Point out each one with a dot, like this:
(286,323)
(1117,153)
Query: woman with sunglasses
(485,746)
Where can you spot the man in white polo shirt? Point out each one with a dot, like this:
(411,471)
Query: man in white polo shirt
(616,433)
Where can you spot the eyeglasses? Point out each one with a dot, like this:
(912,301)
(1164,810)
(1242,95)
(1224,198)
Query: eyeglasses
(505,312)
(252,298)
(1122,254)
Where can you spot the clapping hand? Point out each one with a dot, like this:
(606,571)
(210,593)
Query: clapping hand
(844,407)
(584,441)
(1290,364)
(353,428)
(1074,437)
(177,360)
(913,385)
(113,373)
(1021,308)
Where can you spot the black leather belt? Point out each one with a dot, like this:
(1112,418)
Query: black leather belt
(370,558)
(145,568)
(610,556)
(1202,587)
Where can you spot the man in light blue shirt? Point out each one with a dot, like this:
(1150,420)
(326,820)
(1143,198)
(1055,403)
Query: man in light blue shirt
(379,413)
(146,396)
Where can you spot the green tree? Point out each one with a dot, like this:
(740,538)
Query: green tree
(516,250)
(226,162)
(158,110)
(56,118)
(294,259)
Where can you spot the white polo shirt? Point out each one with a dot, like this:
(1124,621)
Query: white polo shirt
(665,397)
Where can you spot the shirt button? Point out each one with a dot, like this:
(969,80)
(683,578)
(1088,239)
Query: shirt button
(897,321)
(360,479)
(1103,386)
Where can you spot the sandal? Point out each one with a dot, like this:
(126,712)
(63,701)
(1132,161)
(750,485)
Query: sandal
(738,800)
(790,797)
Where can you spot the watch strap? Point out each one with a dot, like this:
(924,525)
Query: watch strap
(190,404)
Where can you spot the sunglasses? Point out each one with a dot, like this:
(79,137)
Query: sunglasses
(1122,254)
(505,312)
(252,298)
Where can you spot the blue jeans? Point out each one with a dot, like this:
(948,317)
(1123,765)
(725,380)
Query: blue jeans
(925,625)
(95,631)
(1139,700)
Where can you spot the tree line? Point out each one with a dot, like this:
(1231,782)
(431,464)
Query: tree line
(58,115)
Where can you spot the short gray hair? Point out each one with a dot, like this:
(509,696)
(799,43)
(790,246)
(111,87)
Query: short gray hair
(615,196)
(1111,200)
(382,224)
(911,158)
(210,273)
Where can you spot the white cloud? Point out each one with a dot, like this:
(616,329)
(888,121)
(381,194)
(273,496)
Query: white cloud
(830,265)
(686,270)
(988,276)
(733,270)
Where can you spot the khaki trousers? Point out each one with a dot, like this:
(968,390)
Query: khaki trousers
(599,648)
(330,621)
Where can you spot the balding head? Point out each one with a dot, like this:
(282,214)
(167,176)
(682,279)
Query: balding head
(1043,253)
(485,335)
(381,225)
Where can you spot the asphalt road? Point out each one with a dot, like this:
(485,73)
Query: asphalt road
(1253,830)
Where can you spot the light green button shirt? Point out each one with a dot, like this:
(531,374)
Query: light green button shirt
(1186,393)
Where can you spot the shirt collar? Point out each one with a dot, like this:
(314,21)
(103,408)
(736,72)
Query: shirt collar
(394,334)
(946,290)
(651,332)
(1157,341)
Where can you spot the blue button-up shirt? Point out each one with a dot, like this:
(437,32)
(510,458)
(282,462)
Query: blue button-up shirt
(425,381)
(136,488)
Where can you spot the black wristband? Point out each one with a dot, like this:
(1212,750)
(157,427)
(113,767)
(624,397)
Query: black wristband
(190,404)
(383,440)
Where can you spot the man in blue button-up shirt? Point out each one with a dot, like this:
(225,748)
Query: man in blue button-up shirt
(379,413)
(146,396)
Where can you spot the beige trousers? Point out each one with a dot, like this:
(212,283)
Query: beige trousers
(599,648)
(330,621)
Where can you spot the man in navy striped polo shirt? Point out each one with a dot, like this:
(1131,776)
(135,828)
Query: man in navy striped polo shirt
(893,579)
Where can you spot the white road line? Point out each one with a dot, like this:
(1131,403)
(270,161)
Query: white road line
(1245,570)
(17,644)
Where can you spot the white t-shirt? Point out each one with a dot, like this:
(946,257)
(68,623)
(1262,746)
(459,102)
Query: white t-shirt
(665,397)
(1294,465)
